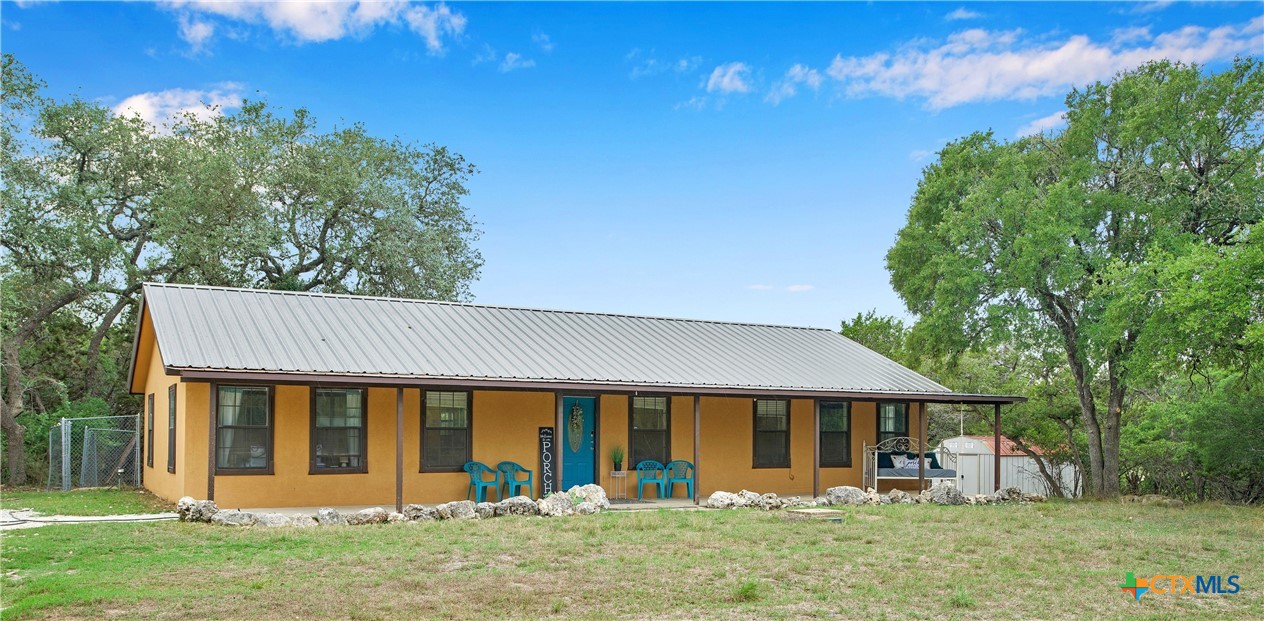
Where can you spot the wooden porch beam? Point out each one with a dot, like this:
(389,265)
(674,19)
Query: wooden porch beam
(697,434)
(921,443)
(557,442)
(996,450)
(816,448)
(399,449)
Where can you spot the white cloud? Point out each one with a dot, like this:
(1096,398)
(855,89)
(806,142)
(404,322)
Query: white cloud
(195,32)
(799,288)
(514,61)
(696,102)
(759,287)
(162,107)
(434,24)
(920,155)
(1150,7)
(307,22)
(962,13)
(982,65)
(1043,124)
(652,65)
(788,86)
(546,44)
(730,78)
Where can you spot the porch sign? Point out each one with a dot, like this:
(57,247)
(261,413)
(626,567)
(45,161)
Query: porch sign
(546,461)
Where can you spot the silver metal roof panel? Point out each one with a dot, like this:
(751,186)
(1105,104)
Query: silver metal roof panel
(222,329)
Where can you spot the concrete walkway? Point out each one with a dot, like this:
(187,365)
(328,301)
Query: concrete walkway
(26,518)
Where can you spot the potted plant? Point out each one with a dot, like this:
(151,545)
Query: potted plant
(616,456)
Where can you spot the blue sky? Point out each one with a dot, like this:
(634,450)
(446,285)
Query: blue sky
(746,162)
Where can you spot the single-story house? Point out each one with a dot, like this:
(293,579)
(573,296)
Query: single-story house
(259,398)
(976,467)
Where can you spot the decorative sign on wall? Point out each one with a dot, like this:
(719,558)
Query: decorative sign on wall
(546,461)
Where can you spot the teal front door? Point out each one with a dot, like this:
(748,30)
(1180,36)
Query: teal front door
(579,441)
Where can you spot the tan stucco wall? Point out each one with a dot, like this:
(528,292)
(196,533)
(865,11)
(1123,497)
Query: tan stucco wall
(505,427)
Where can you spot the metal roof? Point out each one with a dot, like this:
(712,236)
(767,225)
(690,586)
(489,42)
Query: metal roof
(213,329)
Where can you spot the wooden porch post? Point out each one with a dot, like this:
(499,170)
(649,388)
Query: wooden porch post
(697,433)
(996,456)
(921,442)
(399,449)
(816,448)
(557,442)
(210,443)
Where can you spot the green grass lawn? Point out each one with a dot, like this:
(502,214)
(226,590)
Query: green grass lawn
(1053,560)
(83,502)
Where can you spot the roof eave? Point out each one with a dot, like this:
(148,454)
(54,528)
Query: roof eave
(413,381)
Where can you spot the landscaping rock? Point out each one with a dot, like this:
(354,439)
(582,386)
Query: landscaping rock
(193,510)
(555,505)
(419,513)
(518,505)
(458,510)
(329,517)
(722,500)
(1039,498)
(587,508)
(273,520)
(302,521)
(770,502)
(233,517)
(394,517)
(1009,494)
(900,496)
(593,493)
(375,515)
(846,495)
(485,510)
(747,498)
(946,495)
(822,501)
(872,497)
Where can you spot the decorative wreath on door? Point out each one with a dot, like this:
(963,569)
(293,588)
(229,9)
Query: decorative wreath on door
(576,427)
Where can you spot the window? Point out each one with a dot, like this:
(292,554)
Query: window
(892,421)
(772,433)
(243,440)
(445,432)
(338,430)
(171,428)
(649,435)
(835,434)
(149,441)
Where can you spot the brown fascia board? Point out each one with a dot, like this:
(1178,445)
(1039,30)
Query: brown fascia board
(272,377)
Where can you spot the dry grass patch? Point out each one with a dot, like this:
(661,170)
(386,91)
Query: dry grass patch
(1059,560)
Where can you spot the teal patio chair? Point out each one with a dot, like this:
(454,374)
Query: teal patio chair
(509,478)
(679,471)
(478,483)
(649,472)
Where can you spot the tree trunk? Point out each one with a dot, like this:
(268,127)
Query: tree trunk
(1110,439)
(1092,429)
(91,364)
(1054,483)
(15,433)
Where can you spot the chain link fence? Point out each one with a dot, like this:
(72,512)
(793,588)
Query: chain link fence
(100,451)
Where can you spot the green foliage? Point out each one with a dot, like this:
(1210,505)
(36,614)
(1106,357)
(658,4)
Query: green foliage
(617,453)
(95,204)
(883,334)
(1124,244)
